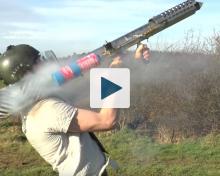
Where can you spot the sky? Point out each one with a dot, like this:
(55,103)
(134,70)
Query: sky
(68,26)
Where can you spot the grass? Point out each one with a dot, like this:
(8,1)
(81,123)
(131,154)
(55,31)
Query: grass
(136,155)
(17,157)
(2,84)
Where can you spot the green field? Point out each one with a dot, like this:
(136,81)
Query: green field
(136,155)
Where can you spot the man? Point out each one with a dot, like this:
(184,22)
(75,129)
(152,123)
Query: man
(58,131)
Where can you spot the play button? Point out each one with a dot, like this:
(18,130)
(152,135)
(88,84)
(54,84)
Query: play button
(108,88)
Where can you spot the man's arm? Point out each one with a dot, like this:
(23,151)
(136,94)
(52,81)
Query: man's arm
(106,119)
(86,120)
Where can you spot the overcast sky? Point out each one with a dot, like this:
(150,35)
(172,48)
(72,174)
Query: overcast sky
(68,26)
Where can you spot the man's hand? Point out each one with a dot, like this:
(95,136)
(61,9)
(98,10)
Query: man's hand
(116,62)
(142,52)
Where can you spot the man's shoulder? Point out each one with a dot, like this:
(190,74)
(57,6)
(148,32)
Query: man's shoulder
(43,106)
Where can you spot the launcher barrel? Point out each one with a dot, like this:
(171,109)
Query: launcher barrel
(154,25)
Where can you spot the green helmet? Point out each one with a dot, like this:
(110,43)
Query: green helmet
(16,61)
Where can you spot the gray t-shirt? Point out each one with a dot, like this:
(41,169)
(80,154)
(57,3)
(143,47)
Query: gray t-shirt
(46,128)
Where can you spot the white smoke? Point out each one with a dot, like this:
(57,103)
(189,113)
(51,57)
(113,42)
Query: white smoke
(38,85)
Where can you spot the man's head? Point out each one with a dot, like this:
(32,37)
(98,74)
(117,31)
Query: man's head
(16,61)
